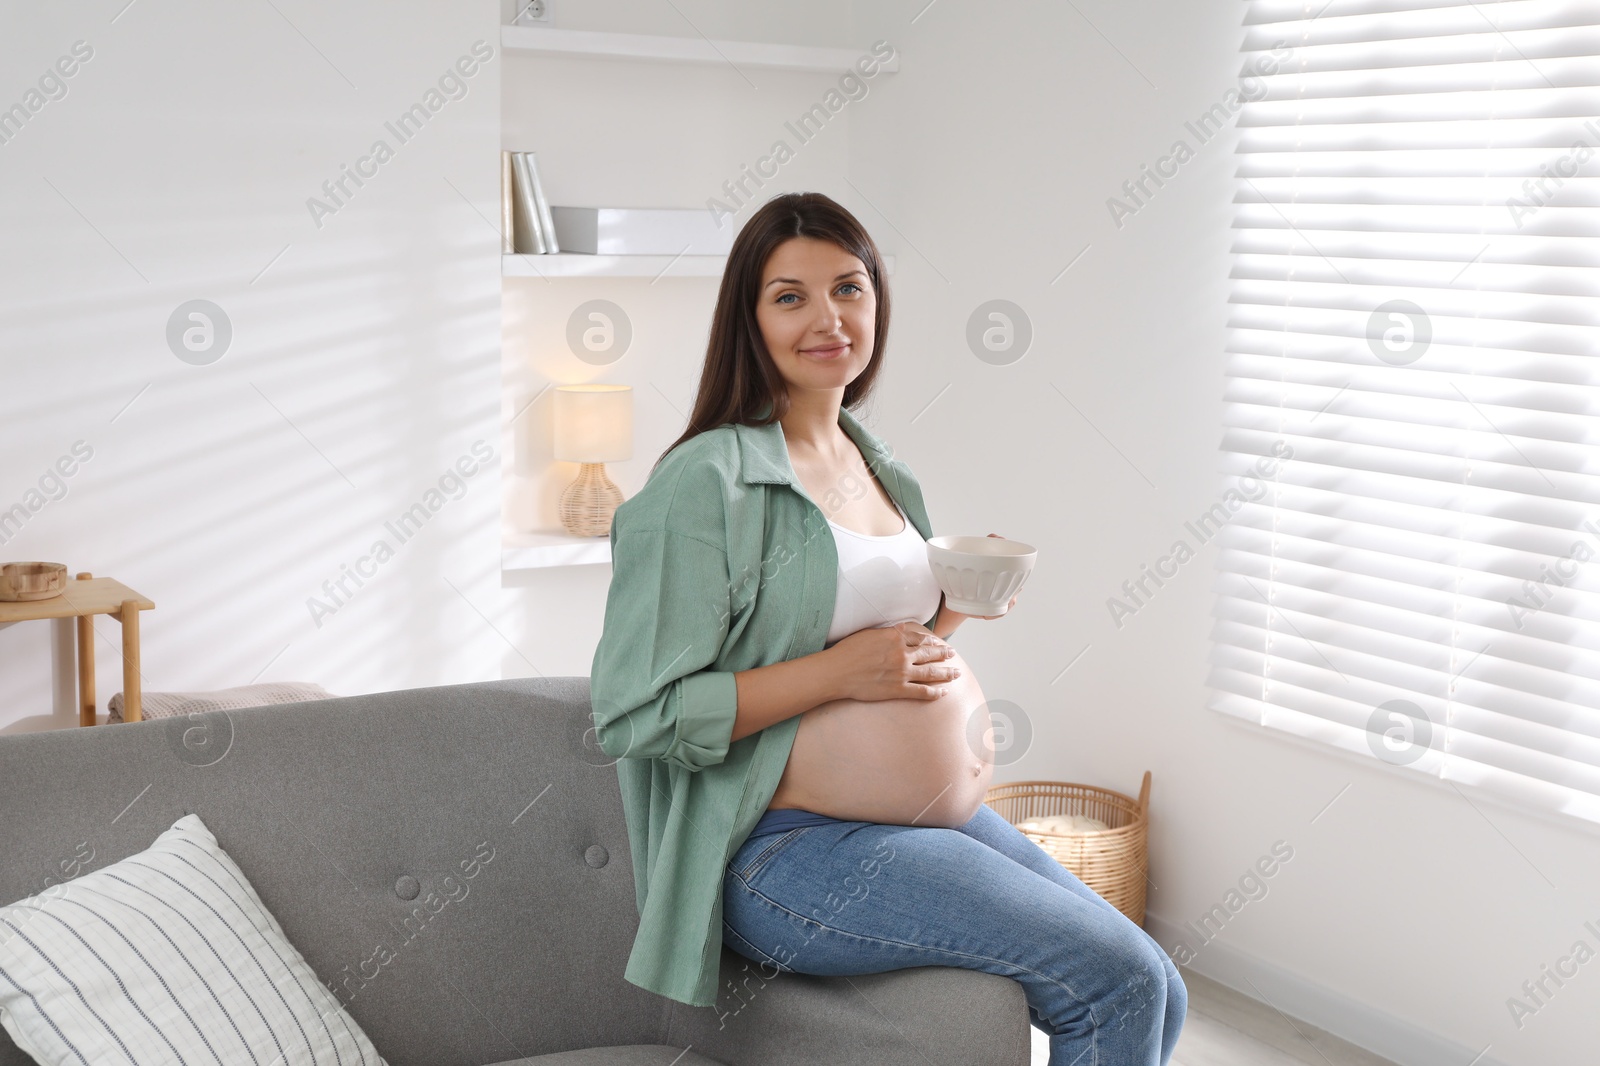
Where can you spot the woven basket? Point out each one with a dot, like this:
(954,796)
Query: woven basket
(1114,861)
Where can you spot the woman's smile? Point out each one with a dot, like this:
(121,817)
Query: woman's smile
(817,308)
(826,354)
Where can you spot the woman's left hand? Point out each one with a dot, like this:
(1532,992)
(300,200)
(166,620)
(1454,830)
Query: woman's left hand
(990,617)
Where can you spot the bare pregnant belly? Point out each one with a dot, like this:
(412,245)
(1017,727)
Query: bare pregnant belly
(895,762)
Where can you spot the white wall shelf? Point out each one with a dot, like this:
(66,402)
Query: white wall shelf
(551,41)
(544,548)
(578,265)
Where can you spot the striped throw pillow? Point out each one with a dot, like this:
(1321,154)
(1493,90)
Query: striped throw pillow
(167,956)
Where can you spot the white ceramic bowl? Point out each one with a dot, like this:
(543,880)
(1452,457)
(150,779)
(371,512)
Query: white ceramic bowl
(979,575)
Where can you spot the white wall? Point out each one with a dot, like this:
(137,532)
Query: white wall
(1409,913)
(364,358)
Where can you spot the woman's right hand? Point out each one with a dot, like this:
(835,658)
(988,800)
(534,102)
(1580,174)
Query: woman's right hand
(905,660)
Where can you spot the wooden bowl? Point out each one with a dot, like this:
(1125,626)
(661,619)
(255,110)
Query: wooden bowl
(32,581)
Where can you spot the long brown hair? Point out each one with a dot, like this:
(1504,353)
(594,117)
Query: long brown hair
(739,377)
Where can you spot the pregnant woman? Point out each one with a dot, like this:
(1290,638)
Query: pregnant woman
(803,756)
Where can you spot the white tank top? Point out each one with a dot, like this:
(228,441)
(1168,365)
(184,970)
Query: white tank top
(882,580)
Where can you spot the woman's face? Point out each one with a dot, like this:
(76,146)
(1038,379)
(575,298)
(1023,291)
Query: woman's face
(817,313)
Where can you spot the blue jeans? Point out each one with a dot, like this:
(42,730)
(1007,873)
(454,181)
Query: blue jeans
(860,897)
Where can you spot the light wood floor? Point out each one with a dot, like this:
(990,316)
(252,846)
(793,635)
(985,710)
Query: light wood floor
(1227,1028)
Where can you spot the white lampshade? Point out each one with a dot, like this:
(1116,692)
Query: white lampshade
(593,423)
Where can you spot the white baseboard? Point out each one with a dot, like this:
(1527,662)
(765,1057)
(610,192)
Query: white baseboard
(1379,1032)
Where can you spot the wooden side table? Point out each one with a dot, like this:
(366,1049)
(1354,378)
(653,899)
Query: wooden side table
(83,599)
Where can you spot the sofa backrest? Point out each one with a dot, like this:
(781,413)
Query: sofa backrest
(523,910)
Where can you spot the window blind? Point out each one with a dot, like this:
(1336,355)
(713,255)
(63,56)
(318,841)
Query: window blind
(1412,354)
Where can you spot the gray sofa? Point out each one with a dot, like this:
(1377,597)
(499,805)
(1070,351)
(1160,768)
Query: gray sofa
(331,807)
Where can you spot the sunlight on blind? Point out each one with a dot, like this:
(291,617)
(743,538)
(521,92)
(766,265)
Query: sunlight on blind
(1412,327)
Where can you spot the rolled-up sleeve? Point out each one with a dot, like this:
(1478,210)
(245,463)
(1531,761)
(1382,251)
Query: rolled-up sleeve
(652,691)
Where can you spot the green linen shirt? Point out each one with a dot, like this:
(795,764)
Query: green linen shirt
(720,563)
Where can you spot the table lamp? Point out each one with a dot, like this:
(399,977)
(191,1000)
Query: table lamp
(593,426)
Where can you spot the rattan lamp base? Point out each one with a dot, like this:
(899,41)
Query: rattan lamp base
(589,502)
